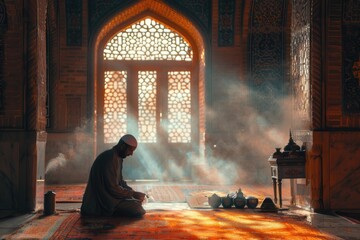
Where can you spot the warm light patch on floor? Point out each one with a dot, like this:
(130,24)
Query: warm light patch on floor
(240,224)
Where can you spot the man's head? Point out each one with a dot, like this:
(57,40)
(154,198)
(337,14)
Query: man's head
(127,145)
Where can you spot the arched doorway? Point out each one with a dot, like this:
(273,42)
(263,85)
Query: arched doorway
(149,81)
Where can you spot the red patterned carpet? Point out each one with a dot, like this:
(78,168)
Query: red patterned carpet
(186,224)
(204,223)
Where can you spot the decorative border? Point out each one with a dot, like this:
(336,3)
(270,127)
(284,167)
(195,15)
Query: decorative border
(351,68)
(226,23)
(300,62)
(197,10)
(266,53)
(351,56)
(351,11)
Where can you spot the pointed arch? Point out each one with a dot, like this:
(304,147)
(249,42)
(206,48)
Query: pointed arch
(173,20)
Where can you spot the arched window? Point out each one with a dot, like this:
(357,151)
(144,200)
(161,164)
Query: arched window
(148,84)
(147,40)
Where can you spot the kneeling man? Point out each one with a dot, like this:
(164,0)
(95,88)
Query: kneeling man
(106,193)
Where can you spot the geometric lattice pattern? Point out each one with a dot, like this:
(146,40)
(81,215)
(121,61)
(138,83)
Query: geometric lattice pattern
(300,60)
(148,40)
(115,105)
(200,9)
(300,72)
(350,57)
(147,106)
(226,22)
(179,107)
(351,11)
(266,61)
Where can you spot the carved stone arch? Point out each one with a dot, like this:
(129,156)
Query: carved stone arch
(167,16)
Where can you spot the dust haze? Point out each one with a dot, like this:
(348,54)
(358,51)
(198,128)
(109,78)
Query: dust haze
(244,130)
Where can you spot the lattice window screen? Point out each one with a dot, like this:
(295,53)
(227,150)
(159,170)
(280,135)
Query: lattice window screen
(151,41)
(115,105)
(179,104)
(147,106)
(300,60)
(300,72)
(148,40)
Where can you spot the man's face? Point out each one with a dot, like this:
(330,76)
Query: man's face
(128,151)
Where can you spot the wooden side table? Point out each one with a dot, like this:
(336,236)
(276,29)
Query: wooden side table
(286,166)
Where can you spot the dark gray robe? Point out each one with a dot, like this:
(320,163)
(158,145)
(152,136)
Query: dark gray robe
(106,188)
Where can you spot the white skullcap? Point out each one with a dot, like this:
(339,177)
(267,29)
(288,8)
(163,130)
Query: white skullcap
(129,140)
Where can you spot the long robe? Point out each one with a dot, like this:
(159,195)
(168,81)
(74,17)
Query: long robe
(106,187)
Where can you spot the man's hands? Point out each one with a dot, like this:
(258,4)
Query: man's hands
(139,196)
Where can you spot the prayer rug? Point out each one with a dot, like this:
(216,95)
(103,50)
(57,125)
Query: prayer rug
(170,193)
(195,195)
(181,193)
(190,224)
(164,193)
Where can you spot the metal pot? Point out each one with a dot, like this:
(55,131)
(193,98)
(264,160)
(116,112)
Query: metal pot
(240,202)
(227,202)
(252,202)
(214,201)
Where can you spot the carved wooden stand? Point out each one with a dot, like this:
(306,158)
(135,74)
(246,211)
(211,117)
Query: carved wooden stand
(286,165)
